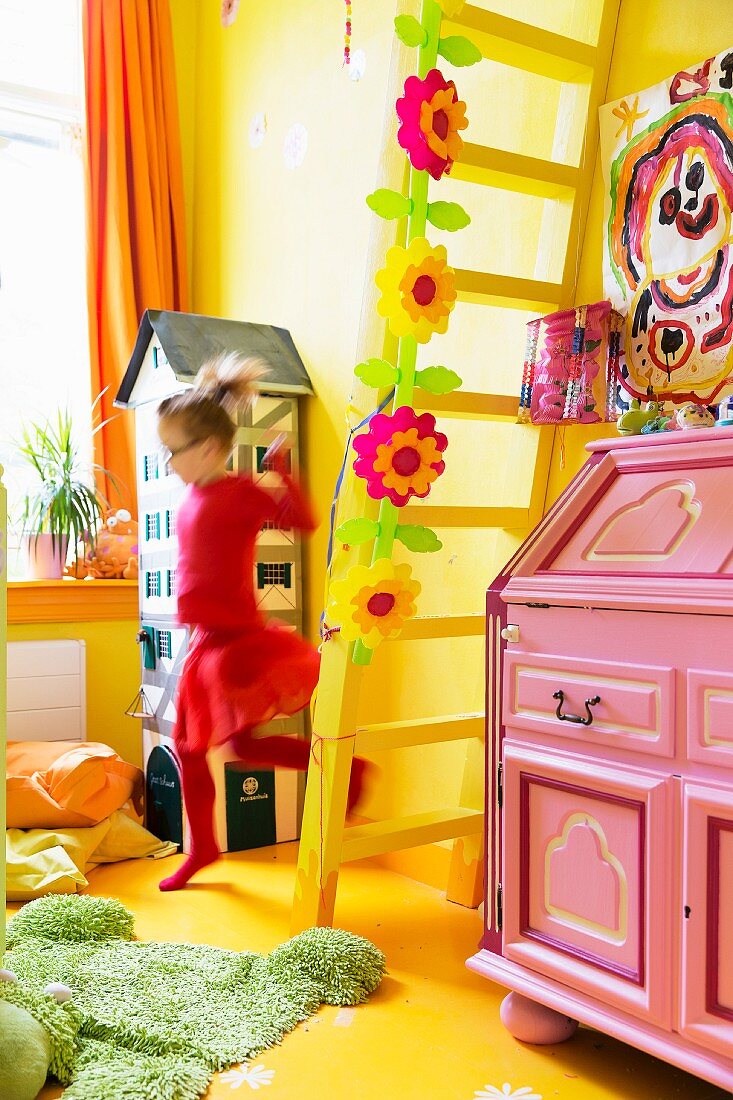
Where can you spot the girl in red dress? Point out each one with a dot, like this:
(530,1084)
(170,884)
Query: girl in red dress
(240,670)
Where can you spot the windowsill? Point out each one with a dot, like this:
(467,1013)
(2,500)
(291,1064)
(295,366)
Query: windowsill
(71,601)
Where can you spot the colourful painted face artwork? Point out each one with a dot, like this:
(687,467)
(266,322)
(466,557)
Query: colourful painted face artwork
(668,263)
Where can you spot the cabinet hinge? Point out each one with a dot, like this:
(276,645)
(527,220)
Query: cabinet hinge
(499,786)
(499,908)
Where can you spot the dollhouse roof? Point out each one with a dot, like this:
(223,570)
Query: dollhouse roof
(188,339)
(645,524)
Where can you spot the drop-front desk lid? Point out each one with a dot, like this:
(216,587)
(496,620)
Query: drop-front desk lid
(646,524)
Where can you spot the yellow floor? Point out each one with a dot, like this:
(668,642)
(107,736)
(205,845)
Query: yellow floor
(431,1030)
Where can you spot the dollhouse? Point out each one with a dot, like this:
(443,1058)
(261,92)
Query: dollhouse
(609,756)
(254,807)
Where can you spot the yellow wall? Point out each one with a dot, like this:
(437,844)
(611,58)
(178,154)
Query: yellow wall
(654,40)
(113,676)
(289,248)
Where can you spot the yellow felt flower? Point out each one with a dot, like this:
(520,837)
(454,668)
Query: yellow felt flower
(440,120)
(373,602)
(418,290)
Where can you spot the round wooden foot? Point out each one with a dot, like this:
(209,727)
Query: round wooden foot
(530,1022)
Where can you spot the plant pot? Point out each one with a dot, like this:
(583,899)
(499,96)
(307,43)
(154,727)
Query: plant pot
(44,560)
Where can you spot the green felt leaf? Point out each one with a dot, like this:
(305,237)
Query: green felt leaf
(377,373)
(448,215)
(459,51)
(389,204)
(438,380)
(592,345)
(410,31)
(421,540)
(356,531)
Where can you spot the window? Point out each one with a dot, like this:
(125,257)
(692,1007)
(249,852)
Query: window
(165,646)
(150,467)
(260,453)
(171,584)
(170,523)
(274,572)
(152,525)
(44,348)
(152,584)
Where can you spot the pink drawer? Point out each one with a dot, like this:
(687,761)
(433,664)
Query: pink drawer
(635,711)
(710,717)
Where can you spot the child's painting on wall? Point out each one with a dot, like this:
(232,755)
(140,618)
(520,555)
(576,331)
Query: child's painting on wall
(668,178)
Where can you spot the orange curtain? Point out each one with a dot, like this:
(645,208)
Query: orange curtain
(136,240)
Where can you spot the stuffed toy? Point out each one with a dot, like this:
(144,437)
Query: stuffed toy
(692,415)
(37,1037)
(633,420)
(115,553)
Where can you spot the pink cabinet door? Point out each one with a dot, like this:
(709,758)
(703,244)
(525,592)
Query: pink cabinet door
(706,1010)
(587,857)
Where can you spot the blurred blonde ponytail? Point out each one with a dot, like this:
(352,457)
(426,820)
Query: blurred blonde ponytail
(229,379)
(224,383)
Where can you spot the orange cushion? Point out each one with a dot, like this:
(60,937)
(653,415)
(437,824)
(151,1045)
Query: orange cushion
(52,784)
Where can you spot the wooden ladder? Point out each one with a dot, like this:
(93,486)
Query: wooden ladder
(326,842)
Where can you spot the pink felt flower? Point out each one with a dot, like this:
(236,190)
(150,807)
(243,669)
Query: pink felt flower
(431,115)
(400,456)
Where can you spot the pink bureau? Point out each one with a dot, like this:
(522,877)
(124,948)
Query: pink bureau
(610,756)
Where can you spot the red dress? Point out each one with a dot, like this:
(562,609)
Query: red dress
(240,670)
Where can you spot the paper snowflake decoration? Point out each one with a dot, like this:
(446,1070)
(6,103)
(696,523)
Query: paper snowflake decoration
(257,130)
(229,9)
(296,145)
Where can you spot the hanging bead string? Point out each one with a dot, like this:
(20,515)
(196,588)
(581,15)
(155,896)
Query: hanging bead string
(530,360)
(612,364)
(572,392)
(347,35)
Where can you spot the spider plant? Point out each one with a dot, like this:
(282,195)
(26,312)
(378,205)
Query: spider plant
(65,505)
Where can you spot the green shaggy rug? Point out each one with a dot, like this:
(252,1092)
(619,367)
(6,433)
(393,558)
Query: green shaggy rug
(156,1020)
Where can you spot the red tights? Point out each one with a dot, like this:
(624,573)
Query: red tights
(198,792)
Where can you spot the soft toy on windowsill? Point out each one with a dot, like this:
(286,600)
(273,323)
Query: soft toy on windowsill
(115,554)
(37,1037)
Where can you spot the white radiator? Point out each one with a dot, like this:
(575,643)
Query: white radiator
(47,691)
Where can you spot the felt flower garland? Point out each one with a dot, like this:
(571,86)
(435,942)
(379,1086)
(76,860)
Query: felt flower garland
(374,602)
(400,455)
(431,115)
(418,290)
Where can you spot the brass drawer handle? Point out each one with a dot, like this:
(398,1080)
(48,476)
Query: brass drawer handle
(560,696)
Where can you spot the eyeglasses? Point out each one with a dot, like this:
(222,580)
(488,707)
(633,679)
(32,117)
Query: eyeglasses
(167,454)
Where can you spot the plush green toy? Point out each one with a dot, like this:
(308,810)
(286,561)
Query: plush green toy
(37,1034)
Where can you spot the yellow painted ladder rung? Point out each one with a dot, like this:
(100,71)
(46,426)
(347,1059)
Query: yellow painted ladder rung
(466,405)
(484,288)
(522,45)
(425,627)
(362,841)
(418,731)
(434,515)
(515,172)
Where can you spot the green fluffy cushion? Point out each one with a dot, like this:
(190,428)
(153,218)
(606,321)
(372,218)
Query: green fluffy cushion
(344,968)
(71,918)
(59,1024)
(25,1053)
